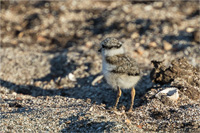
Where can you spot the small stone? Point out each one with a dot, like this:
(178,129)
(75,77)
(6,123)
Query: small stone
(21,34)
(91,109)
(171,93)
(41,39)
(142,41)
(80,118)
(148,8)
(167,46)
(14,93)
(97,79)
(153,44)
(134,35)
(60,87)
(197,36)
(9,127)
(126,9)
(88,100)
(127,121)
(89,44)
(19,28)
(140,51)
(52,82)
(14,42)
(122,107)
(139,126)
(190,29)
(68,122)
(57,81)
(18,98)
(38,83)
(158,5)
(137,45)
(131,27)
(72,77)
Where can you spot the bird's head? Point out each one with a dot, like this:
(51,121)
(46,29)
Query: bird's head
(111,47)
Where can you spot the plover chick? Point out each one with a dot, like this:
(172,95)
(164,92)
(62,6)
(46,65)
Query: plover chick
(119,70)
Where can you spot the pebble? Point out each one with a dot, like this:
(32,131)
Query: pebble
(167,45)
(97,79)
(171,92)
(140,51)
(190,29)
(127,121)
(158,5)
(41,39)
(153,44)
(88,100)
(139,126)
(14,42)
(38,83)
(131,27)
(135,35)
(72,77)
(137,45)
(142,41)
(197,36)
(68,122)
(18,98)
(21,34)
(148,8)
(89,44)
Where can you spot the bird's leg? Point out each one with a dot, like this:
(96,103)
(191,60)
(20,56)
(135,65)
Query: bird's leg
(132,99)
(119,93)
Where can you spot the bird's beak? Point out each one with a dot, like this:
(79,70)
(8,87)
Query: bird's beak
(100,50)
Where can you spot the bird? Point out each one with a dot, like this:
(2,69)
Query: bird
(119,70)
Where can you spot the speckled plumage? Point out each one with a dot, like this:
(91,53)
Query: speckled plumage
(110,43)
(119,70)
(124,64)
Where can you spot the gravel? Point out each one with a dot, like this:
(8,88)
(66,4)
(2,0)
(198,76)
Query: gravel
(50,70)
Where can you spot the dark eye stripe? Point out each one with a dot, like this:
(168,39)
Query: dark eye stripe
(106,47)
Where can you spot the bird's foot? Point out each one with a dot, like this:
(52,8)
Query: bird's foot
(130,110)
(113,108)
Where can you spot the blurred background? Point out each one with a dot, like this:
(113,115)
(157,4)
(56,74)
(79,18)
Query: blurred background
(150,28)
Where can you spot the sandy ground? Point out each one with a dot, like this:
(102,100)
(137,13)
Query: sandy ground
(50,70)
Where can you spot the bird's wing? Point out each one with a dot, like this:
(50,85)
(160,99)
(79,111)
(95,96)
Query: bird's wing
(124,64)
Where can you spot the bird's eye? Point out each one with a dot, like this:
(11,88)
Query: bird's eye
(103,46)
(119,45)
